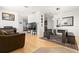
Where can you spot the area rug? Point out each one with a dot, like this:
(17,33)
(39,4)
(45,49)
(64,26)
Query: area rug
(54,50)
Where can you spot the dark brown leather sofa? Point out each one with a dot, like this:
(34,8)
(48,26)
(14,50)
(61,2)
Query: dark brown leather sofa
(9,43)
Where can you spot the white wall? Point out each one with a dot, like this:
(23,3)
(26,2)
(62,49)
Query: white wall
(20,24)
(8,23)
(14,23)
(74,29)
(50,23)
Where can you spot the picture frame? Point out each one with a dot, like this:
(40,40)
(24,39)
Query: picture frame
(7,16)
(69,21)
(66,21)
(41,15)
(41,20)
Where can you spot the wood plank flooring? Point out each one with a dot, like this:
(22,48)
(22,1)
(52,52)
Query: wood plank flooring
(33,42)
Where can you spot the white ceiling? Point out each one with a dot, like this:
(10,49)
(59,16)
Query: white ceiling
(24,11)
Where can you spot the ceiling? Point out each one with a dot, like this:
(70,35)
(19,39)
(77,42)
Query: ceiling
(50,10)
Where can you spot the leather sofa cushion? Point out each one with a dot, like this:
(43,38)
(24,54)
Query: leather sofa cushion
(4,32)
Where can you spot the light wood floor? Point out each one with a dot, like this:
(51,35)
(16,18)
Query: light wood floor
(33,42)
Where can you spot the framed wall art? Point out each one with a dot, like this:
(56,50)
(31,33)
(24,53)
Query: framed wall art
(66,21)
(7,16)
